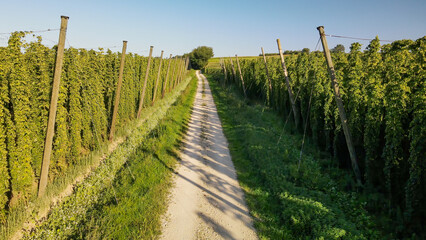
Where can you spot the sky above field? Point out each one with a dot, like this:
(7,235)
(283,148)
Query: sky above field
(230,27)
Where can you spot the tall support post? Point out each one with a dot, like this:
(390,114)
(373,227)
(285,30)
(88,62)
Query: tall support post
(287,82)
(158,78)
(179,71)
(267,75)
(173,80)
(186,64)
(222,64)
(182,73)
(185,68)
(145,82)
(163,92)
(117,92)
(339,102)
(241,76)
(224,70)
(233,69)
(53,107)
(182,69)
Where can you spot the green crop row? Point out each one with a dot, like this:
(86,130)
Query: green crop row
(384,93)
(65,220)
(85,104)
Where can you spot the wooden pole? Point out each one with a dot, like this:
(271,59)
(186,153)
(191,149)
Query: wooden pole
(183,70)
(167,77)
(172,82)
(179,71)
(186,65)
(241,76)
(267,75)
(342,113)
(158,78)
(53,107)
(233,70)
(287,82)
(117,92)
(225,72)
(145,82)
(222,64)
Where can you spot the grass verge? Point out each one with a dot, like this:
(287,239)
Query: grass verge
(76,216)
(285,201)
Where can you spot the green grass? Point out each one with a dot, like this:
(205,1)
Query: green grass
(140,158)
(287,203)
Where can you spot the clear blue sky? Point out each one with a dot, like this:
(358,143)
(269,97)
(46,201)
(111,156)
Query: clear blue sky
(230,27)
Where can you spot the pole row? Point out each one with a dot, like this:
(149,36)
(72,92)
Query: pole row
(295,110)
(179,64)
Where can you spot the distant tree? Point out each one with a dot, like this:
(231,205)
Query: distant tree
(287,52)
(338,48)
(305,50)
(200,56)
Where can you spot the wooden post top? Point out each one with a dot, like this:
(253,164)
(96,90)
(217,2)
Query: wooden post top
(279,44)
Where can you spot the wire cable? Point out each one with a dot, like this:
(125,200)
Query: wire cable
(34,31)
(306,126)
(356,38)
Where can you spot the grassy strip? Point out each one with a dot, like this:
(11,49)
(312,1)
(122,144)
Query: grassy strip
(64,220)
(287,203)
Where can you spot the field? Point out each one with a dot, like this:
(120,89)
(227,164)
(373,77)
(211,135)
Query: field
(287,203)
(121,119)
(383,91)
(83,119)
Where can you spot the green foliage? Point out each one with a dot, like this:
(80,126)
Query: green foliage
(200,56)
(84,111)
(415,188)
(338,48)
(383,94)
(374,95)
(287,203)
(140,188)
(22,176)
(131,181)
(4,173)
(398,64)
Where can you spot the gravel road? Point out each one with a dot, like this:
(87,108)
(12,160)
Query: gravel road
(206,201)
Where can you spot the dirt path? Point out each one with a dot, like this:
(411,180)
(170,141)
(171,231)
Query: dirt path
(206,201)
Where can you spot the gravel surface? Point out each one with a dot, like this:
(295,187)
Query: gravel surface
(206,201)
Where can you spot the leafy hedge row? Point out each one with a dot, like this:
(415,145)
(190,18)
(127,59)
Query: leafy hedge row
(384,92)
(84,112)
(66,220)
